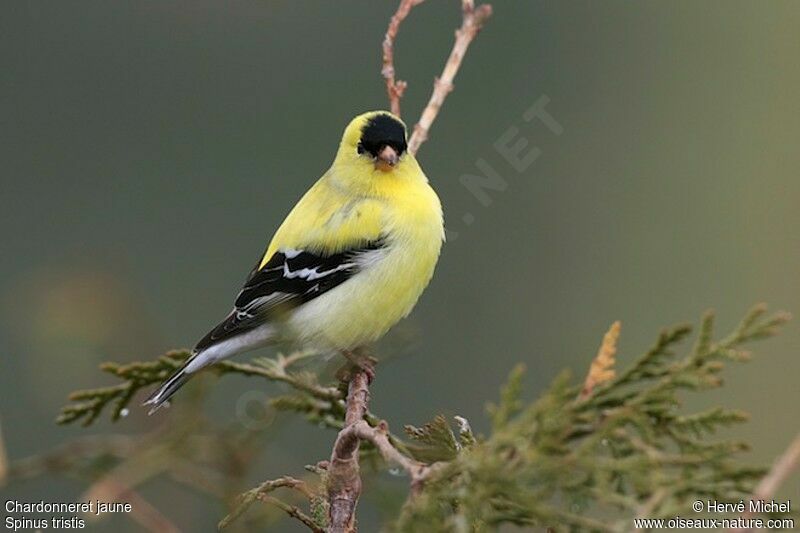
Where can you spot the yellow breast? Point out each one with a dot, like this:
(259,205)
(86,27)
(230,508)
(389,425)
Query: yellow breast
(407,214)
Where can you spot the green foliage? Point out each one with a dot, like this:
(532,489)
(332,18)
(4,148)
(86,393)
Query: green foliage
(510,402)
(592,464)
(320,404)
(90,403)
(433,442)
(576,459)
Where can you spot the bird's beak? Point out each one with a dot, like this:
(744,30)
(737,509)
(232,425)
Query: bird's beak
(387,158)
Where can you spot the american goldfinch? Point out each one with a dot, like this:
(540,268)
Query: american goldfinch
(348,262)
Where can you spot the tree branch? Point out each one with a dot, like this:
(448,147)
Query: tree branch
(344,479)
(780,471)
(379,437)
(142,511)
(293,511)
(262,493)
(88,404)
(473,19)
(555,452)
(395,89)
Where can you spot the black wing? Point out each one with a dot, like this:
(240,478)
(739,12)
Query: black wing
(290,278)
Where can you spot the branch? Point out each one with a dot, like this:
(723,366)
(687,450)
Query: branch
(89,404)
(293,511)
(625,449)
(344,479)
(473,19)
(142,511)
(262,493)
(277,370)
(395,89)
(379,437)
(780,472)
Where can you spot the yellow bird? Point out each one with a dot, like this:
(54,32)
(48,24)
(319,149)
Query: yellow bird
(349,261)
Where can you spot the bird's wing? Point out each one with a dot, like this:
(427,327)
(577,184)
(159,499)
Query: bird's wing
(290,278)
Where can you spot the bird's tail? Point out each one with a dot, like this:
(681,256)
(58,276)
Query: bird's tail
(162,394)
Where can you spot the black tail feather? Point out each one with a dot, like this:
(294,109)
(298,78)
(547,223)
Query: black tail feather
(163,393)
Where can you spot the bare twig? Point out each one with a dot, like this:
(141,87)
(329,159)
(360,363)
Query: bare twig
(379,437)
(142,511)
(473,19)
(277,370)
(262,493)
(286,481)
(780,471)
(395,89)
(118,484)
(293,511)
(344,480)
(147,516)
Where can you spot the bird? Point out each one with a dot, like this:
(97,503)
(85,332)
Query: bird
(349,261)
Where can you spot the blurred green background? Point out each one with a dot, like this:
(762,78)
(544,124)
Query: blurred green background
(149,149)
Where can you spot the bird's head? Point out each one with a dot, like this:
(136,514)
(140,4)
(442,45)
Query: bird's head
(375,144)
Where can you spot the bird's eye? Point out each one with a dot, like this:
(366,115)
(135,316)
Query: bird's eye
(360,148)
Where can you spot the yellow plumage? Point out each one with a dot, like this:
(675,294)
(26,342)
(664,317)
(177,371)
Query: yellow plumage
(349,261)
(354,203)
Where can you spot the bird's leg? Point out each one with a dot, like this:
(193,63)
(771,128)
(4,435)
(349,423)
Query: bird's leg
(359,361)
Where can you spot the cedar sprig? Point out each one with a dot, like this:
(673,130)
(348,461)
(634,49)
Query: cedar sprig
(318,401)
(593,462)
